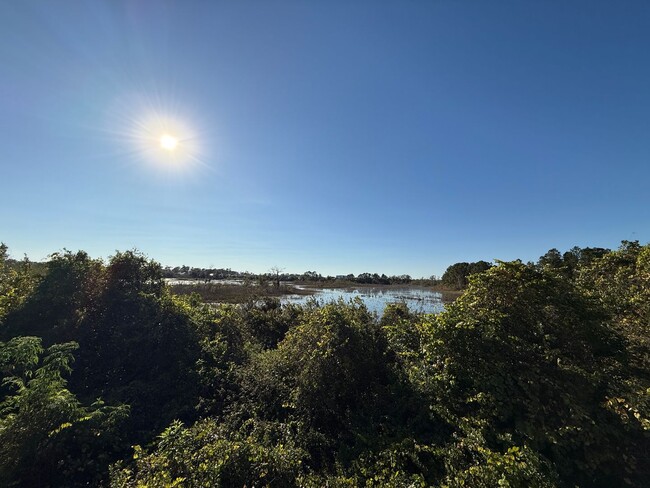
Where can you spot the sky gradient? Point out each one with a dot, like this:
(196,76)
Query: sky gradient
(341,137)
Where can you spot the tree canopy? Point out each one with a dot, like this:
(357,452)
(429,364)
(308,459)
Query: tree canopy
(537,376)
(457,275)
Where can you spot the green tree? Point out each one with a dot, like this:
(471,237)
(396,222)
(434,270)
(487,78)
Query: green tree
(16,283)
(139,345)
(571,261)
(620,281)
(61,300)
(208,454)
(47,437)
(334,375)
(456,276)
(552,259)
(524,359)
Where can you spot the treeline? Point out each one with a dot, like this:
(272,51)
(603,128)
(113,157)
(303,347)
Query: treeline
(534,377)
(569,263)
(208,274)
(572,261)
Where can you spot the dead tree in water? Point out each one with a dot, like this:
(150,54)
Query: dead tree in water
(275,271)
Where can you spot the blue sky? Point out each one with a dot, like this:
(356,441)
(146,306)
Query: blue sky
(390,137)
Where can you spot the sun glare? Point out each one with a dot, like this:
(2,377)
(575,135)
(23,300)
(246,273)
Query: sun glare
(158,133)
(168,142)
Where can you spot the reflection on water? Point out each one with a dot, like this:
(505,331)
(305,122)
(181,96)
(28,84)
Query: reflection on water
(376,299)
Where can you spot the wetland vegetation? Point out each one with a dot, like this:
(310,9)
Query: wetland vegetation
(536,376)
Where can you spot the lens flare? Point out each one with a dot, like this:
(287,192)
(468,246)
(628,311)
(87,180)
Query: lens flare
(153,132)
(168,142)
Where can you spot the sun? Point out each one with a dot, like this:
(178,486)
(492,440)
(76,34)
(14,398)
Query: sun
(157,133)
(168,142)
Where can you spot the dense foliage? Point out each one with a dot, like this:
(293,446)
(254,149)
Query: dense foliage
(537,376)
(457,275)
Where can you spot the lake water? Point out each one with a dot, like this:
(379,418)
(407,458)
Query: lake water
(417,299)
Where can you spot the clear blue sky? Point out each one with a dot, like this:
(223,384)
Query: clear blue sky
(394,137)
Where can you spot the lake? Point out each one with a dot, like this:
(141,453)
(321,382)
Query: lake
(417,299)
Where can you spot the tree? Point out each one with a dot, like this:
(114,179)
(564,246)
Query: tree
(620,281)
(456,276)
(15,283)
(275,272)
(61,299)
(552,259)
(330,374)
(138,344)
(211,454)
(524,358)
(47,437)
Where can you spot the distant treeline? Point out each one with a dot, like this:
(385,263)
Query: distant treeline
(182,272)
(456,276)
(209,274)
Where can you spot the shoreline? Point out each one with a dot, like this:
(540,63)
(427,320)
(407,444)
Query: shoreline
(234,292)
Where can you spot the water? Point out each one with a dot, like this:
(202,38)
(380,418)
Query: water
(376,299)
(197,281)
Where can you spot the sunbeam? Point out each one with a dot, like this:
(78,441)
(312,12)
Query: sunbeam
(151,130)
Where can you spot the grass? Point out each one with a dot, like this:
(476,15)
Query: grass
(215,292)
(448,294)
(232,293)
